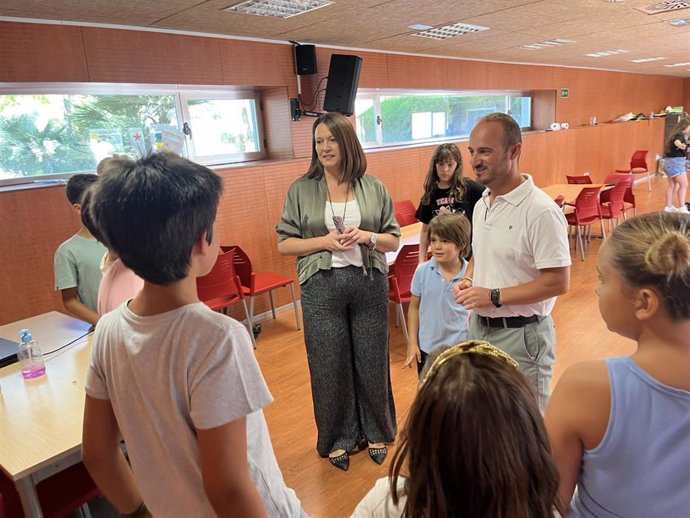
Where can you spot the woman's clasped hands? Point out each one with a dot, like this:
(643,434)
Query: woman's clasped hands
(335,242)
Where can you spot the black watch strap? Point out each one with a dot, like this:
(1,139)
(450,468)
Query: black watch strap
(496,297)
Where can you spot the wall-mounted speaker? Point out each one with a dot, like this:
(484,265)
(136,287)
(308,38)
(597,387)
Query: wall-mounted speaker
(343,79)
(305,59)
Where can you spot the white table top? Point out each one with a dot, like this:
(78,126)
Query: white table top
(41,419)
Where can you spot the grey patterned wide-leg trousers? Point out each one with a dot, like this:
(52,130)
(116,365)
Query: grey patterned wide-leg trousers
(346,332)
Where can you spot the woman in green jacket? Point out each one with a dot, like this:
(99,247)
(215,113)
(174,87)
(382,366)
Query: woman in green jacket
(339,223)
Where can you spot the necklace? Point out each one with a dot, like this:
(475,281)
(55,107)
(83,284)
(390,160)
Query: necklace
(338,221)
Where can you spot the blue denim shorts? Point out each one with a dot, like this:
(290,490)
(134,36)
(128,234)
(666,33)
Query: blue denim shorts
(674,166)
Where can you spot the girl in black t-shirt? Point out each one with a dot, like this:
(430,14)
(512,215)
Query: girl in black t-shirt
(445,190)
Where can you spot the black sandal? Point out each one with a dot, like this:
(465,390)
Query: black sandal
(341,461)
(378,455)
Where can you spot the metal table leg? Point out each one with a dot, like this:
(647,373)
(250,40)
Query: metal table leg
(26,488)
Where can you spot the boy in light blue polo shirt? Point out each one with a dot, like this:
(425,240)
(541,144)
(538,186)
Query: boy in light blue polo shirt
(434,318)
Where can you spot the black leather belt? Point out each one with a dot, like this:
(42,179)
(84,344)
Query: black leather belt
(511,322)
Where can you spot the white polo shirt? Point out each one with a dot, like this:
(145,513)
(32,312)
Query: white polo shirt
(522,232)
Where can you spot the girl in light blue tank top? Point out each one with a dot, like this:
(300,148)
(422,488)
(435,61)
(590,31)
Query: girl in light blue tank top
(620,429)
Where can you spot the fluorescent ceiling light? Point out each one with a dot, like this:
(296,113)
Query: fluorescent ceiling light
(547,44)
(679,22)
(678,64)
(277,8)
(420,27)
(663,7)
(645,60)
(605,53)
(450,31)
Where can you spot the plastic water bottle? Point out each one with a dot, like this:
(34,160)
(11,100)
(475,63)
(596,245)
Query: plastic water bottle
(30,356)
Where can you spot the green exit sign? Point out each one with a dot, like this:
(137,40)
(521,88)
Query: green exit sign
(565,92)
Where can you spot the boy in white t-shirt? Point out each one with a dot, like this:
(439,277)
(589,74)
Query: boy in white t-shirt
(179,382)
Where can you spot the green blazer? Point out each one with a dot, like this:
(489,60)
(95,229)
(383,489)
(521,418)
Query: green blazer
(303,213)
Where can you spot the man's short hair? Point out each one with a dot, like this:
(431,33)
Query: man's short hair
(151,212)
(511,129)
(77,185)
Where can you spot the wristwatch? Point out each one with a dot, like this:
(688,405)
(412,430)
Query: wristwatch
(496,297)
(372,241)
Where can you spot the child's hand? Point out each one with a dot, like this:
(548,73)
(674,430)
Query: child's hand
(412,355)
(463,284)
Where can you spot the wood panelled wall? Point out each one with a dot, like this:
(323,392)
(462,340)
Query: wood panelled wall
(36,221)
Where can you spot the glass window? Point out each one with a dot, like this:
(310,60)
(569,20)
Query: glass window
(64,128)
(406,117)
(366,126)
(222,130)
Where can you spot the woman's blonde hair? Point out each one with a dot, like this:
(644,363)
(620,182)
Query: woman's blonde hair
(352,158)
(654,250)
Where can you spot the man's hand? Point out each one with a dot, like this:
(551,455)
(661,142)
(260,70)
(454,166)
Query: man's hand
(473,297)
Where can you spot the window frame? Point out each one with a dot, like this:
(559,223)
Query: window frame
(180,92)
(376,94)
(189,93)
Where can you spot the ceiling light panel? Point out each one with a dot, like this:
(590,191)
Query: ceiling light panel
(645,60)
(548,44)
(450,31)
(605,53)
(663,7)
(277,8)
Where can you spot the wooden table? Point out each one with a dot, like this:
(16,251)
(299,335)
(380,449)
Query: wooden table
(41,419)
(409,235)
(569,190)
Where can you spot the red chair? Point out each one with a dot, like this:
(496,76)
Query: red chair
(400,281)
(579,180)
(559,200)
(638,165)
(611,201)
(405,212)
(587,212)
(628,197)
(256,283)
(60,494)
(221,288)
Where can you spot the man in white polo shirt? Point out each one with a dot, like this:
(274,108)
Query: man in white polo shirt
(521,255)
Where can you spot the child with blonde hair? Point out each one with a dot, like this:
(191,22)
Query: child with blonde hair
(620,427)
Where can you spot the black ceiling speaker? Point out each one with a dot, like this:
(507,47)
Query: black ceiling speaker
(343,79)
(305,60)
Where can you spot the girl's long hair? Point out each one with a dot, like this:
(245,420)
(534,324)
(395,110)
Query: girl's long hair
(445,152)
(475,444)
(678,128)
